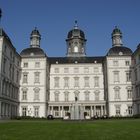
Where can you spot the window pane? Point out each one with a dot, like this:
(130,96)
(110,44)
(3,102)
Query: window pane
(25,77)
(96,81)
(37,64)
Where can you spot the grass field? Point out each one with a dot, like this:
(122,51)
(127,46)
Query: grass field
(71,130)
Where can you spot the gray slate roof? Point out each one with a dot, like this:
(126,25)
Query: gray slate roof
(115,51)
(75,32)
(32,52)
(72,60)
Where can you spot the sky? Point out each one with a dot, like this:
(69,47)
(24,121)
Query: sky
(55,18)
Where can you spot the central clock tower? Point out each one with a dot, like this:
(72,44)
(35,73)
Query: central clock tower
(76,42)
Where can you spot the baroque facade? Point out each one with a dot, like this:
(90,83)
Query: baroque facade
(72,87)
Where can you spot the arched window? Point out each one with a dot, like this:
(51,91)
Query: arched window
(76,49)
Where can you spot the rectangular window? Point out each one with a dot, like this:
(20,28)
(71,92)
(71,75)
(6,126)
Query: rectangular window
(127,63)
(56,82)
(136,74)
(10,71)
(117,94)
(25,65)
(96,69)
(129,93)
(13,73)
(4,65)
(116,76)
(86,96)
(17,76)
(36,111)
(86,70)
(137,91)
(5,48)
(115,63)
(76,81)
(56,98)
(66,97)
(37,64)
(24,111)
(130,110)
(128,76)
(96,96)
(18,63)
(25,77)
(36,95)
(56,70)
(24,95)
(96,81)
(66,70)
(11,54)
(37,77)
(76,70)
(66,82)
(86,81)
(118,110)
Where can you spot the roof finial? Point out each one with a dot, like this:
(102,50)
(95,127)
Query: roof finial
(0,14)
(76,25)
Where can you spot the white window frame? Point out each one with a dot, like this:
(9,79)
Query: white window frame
(25,77)
(96,81)
(117,110)
(36,77)
(66,81)
(76,81)
(86,80)
(116,76)
(25,64)
(36,111)
(56,82)
(37,64)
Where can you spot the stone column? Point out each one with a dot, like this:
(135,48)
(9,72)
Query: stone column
(59,111)
(62,114)
(81,112)
(48,111)
(52,111)
(62,111)
(95,110)
(91,111)
(105,109)
(101,110)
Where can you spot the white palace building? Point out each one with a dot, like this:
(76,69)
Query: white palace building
(72,87)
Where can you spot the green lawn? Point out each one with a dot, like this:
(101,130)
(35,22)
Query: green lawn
(68,130)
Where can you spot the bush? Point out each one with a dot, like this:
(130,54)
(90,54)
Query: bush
(50,117)
(137,116)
